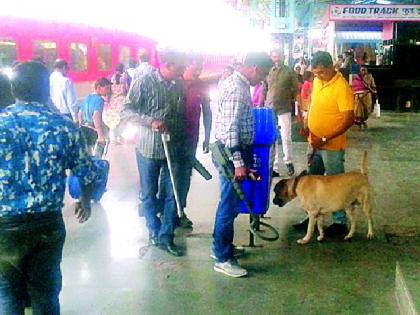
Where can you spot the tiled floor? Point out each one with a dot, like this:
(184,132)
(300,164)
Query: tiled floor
(108,267)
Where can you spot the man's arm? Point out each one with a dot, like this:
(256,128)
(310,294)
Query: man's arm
(71,99)
(207,119)
(81,165)
(83,208)
(231,117)
(341,128)
(296,89)
(134,107)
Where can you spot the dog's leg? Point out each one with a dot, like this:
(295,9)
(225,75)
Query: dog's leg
(352,219)
(320,225)
(367,209)
(310,231)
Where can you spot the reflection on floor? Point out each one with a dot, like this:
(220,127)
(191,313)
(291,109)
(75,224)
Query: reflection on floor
(108,267)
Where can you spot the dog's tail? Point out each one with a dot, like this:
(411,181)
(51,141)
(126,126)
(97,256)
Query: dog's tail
(364,164)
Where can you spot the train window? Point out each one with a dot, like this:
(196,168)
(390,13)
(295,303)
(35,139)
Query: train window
(78,57)
(7,52)
(280,8)
(124,55)
(104,57)
(45,52)
(141,52)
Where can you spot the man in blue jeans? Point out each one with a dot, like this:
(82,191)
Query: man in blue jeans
(330,116)
(37,146)
(157,104)
(235,130)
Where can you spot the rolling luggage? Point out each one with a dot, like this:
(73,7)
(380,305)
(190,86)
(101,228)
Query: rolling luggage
(99,185)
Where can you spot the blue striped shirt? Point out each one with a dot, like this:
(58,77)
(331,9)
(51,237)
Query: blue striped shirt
(151,97)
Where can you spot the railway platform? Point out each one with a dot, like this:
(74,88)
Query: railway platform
(109,268)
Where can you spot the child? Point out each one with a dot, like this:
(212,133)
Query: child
(90,114)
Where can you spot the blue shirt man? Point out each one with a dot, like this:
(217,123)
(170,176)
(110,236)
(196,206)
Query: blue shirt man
(91,104)
(90,114)
(37,146)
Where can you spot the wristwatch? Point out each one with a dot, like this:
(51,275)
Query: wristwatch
(324,139)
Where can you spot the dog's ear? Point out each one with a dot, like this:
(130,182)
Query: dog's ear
(303,173)
(280,186)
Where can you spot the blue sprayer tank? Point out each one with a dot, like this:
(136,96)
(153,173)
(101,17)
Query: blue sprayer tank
(265,134)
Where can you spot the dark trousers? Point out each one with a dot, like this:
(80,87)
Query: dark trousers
(89,134)
(31,247)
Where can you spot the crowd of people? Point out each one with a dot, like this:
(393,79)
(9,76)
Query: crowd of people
(44,132)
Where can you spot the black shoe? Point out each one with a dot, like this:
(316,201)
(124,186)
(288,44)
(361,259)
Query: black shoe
(172,249)
(153,240)
(290,169)
(275,174)
(302,225)
(184,222)
(336,229)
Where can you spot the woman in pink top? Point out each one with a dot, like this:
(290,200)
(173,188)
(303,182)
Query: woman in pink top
(257,98)
(363,86)
(305,94)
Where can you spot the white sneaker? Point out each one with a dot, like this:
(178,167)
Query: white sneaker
(237,252)
(230,268)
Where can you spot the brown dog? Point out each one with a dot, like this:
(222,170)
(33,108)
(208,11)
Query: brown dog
(323,194)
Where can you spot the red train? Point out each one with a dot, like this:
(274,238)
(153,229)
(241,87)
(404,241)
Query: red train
(92,52)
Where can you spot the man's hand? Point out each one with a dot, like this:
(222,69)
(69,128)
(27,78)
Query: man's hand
(316,142)
(159,125)
(82,212)
(240,173)
(206,146)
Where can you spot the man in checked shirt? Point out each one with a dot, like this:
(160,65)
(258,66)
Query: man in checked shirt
(235,130)
(156,101)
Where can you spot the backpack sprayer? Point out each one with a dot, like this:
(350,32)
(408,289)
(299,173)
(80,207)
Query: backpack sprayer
(222,156)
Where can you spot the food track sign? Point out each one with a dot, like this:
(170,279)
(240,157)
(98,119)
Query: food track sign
(374,12)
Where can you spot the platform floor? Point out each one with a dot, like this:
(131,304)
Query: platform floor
(108,267)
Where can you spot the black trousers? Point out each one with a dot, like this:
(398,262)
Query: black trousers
(31,247)
(89,134)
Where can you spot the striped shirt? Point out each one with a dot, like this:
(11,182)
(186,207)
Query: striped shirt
(151,97)
(234,118)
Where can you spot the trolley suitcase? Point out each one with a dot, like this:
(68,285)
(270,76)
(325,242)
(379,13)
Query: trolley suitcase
(99,185)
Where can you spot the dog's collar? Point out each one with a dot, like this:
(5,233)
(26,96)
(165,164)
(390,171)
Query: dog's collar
(296,182)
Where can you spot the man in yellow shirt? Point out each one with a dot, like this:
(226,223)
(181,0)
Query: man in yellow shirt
(330,116)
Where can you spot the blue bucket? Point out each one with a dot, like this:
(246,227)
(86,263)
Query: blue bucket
(265,131)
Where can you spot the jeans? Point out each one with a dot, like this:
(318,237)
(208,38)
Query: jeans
(227,211)
(329,163)
(150,171)
(31,247)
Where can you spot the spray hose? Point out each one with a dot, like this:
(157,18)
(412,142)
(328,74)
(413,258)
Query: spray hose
(222,156)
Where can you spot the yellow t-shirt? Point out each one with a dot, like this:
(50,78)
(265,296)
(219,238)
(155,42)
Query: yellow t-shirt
(329,101)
